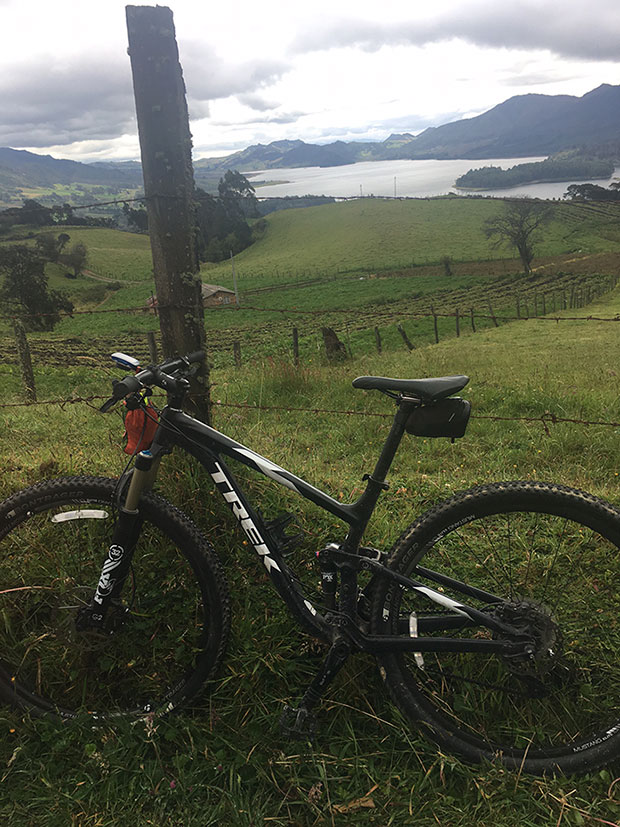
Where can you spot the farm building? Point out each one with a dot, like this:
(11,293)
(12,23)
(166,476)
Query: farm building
(213,295)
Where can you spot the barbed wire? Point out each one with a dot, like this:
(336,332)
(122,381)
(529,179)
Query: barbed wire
(462,313)
(545,419)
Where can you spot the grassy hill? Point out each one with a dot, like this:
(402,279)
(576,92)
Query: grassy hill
(224,762)
(353,266)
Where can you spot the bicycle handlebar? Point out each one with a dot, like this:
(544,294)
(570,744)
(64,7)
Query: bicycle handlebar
(158,375)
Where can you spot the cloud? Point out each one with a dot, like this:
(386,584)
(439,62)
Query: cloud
(46,102)
(58,100)
(257,102)
(574,29)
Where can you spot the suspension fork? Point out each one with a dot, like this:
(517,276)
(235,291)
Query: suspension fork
(118,559)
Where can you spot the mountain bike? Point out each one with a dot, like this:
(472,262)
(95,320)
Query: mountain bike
(494,619)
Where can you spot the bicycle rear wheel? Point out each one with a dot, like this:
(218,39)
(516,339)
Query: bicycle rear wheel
(171,627)
(551,554)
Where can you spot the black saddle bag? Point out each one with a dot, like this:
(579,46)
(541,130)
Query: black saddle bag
(448,417)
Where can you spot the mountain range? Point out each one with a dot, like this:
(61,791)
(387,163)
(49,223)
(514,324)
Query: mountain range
(523,125)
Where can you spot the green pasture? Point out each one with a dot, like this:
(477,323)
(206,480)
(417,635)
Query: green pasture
(224,762)
(352,265)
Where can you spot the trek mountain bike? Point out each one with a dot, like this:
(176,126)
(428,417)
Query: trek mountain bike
(494,619)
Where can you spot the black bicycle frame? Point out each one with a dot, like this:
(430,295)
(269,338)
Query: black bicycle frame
(208,445)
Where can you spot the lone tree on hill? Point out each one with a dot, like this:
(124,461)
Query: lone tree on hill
(50,246)
(519,225)
(76,257)
(24,290)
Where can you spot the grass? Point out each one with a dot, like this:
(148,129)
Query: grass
(223,762)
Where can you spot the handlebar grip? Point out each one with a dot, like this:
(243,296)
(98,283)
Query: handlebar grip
(121,389)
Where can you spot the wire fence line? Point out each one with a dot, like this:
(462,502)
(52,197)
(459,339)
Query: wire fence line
(545,419)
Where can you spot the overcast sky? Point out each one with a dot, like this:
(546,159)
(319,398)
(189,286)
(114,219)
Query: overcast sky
(262,70)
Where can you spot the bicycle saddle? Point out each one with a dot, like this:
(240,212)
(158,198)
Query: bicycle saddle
(427,390)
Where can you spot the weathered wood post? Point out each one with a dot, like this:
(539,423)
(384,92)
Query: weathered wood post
(150,338)
(473,323)
(458,326)
(406,340)
(295,347)
(378,339)
(495,322)
(237,352)
(435,327)
(166,149)
(25,362)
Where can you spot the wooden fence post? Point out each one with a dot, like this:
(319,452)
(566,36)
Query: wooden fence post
(25,362)
(518,307)
(435,325)
(295,347)
(473,323)
(402,332)
(237,352)
(536,304)
(378,339)
(150,337)
(166,152)
(493,315)
(456,319)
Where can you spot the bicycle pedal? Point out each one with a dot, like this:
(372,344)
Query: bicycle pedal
(297,723)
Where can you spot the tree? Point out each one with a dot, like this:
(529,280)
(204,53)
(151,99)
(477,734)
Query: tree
(237,193)
(77,257)
(137,218)
(518,226)
(24,288)
(50,246)
(221,221)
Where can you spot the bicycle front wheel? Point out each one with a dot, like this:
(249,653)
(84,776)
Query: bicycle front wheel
(545,559)
(168,633)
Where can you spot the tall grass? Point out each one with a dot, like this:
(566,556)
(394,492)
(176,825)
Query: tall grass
(224,761)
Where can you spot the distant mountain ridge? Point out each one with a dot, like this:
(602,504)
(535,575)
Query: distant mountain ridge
(523,125)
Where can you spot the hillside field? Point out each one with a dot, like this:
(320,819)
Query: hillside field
(224,762)
(353,266)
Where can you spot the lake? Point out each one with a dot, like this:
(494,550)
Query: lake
(396,178)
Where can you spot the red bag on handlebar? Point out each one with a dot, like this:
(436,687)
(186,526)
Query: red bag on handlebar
(140,429)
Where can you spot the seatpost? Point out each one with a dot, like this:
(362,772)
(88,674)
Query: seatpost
(375,482)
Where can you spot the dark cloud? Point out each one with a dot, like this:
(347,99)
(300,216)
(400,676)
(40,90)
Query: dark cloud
(570,29)
(56,101)
(45,103)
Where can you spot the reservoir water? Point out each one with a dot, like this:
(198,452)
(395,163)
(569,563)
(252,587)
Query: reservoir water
(420,179)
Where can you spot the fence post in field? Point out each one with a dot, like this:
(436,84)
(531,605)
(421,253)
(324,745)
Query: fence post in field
(493,315)
(334,348)
(457,322)
(536,304)
(237,352)
(544,307)
(403,333)
(25,362)
(518,307)
(150,337)
(564,299)
(166,150)
(473,323)
(378,339)
(435,325)
(295,347)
